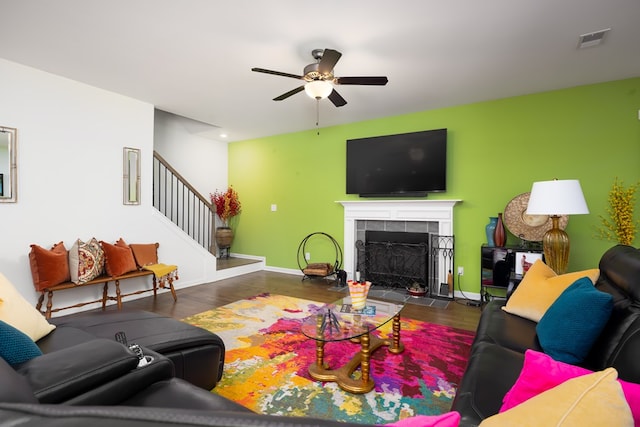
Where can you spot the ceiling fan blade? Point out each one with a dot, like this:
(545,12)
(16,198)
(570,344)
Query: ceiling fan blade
(288,94)
(337,100)
(329,59)
(376,81)
(276,73)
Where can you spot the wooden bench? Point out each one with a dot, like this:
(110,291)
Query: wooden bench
(104,280)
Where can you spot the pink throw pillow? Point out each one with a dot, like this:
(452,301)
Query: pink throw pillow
(450,419)
(540,373)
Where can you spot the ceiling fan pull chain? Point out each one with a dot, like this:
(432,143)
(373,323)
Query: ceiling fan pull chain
(318,115)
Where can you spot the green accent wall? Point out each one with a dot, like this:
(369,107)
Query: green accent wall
(496,150)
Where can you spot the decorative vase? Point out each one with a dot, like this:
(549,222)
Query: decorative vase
(500,234)
(224,238)
(490,229)
(358,292)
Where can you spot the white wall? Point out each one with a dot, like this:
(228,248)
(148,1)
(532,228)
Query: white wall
(69,149)
(175,136)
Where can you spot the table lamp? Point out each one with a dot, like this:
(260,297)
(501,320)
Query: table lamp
(556,198)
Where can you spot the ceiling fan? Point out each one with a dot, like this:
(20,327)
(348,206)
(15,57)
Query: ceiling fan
(320,80)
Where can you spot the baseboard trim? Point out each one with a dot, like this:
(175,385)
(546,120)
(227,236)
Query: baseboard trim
(291,271)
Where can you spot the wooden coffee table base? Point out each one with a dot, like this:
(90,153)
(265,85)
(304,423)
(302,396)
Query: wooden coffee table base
(343,376)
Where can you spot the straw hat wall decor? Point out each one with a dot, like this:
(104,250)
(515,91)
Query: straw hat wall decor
(528,227)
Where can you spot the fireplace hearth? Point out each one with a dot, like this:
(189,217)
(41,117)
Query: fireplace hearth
(434,217)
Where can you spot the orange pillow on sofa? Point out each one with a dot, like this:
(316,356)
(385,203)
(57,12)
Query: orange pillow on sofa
(118,259)
(49,267)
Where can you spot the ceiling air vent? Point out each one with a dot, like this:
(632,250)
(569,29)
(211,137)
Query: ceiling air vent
(592,39)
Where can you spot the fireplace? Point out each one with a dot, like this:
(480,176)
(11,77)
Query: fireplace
(431,219)
(394,258)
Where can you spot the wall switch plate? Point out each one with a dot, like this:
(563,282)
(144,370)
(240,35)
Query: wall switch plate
(307,256)
(274,208)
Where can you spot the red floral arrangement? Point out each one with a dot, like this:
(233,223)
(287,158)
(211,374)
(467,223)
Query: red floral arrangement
(227,204)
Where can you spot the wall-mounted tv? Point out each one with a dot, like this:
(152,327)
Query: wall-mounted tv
(409,164)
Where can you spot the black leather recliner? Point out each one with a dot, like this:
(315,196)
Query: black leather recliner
(99,383)
(103,372)
(197,354)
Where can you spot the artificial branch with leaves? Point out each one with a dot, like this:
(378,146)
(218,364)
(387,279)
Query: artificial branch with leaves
(620,226)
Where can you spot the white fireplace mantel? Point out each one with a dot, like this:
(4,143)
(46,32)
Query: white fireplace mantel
(440,211)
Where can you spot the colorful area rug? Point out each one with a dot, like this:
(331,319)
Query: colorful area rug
(267,359)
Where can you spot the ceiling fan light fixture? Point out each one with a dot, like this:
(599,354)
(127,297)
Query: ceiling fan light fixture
(318,89)
(320,80)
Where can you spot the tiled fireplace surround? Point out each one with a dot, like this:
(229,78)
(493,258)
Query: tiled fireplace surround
(422,216)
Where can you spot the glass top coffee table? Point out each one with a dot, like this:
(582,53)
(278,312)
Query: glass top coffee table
(338,322)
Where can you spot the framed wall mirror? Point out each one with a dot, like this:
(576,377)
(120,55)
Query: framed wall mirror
(8,165)
(131,176)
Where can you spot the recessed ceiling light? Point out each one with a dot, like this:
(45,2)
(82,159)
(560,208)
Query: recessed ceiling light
(223,135)
(592,39)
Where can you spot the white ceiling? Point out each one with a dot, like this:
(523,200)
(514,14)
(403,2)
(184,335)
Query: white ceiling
(194,57)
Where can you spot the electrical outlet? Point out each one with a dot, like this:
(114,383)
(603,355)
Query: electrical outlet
(307,256)
(460,271)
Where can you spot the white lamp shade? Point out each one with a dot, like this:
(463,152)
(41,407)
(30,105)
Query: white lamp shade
(557,197)
(318,89)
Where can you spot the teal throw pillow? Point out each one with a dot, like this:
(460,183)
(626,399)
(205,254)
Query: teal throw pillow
(15,346)
(574,321)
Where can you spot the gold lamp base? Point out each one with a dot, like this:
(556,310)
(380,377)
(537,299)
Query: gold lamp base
(555,244)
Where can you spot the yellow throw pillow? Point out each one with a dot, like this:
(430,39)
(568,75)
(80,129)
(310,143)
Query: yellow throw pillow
(17,312)
(540,287)
(590,400)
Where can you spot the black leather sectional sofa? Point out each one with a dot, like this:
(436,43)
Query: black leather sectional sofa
(497,354)
(83,379)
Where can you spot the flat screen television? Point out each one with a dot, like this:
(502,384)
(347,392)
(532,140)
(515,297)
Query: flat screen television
(409,164)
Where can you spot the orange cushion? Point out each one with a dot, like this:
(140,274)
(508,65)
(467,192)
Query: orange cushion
(49,267)
(118,260)
(145,253)
(121,243)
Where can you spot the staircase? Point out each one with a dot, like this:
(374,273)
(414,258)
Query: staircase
(174,197)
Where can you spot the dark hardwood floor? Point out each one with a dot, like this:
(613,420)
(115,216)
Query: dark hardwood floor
(204,297)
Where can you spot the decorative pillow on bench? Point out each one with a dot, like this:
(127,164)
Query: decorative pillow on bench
(49,267)
(145,253)
(86,261)
(118,258)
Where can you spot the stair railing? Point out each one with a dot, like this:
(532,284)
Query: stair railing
(174,197)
